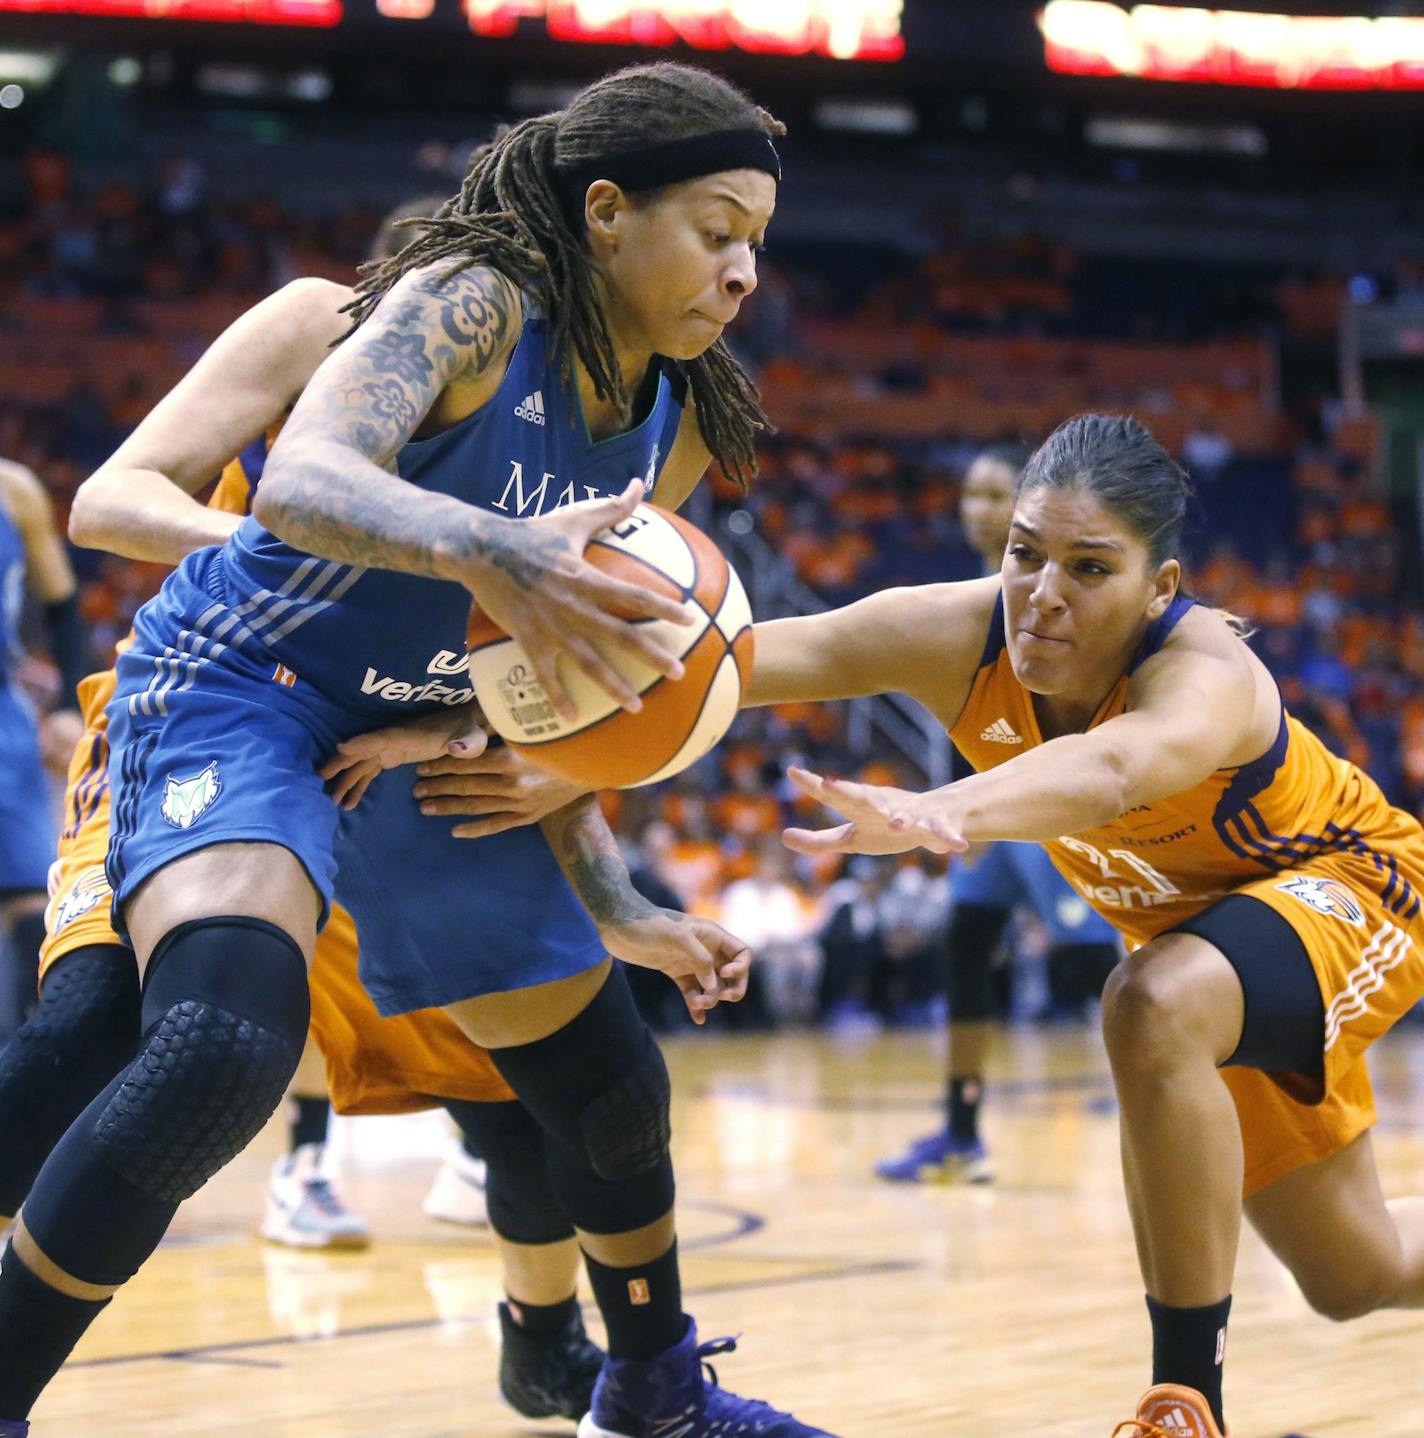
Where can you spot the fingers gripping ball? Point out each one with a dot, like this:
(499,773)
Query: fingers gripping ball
(607,747)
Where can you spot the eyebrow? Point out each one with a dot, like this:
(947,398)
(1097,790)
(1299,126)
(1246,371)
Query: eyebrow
(1032,533)
(731,200)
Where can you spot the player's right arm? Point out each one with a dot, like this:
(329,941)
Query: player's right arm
(139,502)
(327,488)
(924,641)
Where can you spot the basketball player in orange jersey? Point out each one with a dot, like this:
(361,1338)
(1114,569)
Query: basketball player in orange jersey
(1270,895)
(140,504)
(986,887)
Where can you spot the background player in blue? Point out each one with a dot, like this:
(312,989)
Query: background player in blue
(33,559)
(986,886)
(588,252)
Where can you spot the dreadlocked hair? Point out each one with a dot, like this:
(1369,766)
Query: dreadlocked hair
(510,216)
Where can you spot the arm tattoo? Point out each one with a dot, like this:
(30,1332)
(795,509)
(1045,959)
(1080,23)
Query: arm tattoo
(327,488)
(588,854)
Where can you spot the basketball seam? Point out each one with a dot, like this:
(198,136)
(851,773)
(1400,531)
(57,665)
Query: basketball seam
(697,718)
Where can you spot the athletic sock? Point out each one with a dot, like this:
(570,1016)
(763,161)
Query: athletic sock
(39,1327)
(641,1306)
(964,1096)
(309,1120)
(1188,1346)
(544,1321)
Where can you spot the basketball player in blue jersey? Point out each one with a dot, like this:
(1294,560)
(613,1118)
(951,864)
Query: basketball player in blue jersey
(32,558)
(86,1025)
(590,261)
(986,886)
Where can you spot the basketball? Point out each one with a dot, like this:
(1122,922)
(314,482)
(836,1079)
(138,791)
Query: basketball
(606,747)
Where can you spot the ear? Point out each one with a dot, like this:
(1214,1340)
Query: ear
(1165,583)
(603,203)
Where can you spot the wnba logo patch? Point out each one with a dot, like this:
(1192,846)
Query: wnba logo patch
(83,896)
(1326,896)
(185,801)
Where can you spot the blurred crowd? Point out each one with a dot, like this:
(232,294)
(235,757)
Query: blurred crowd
(885,374)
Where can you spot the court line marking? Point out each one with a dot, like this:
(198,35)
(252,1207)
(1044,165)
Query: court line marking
(218,1352)
(1008,1089)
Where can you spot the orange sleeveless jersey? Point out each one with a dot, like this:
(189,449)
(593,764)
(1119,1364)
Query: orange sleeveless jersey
(1299,829)
(374,1065)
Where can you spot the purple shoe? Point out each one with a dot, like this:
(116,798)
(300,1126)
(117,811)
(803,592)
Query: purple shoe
(670,1397)
(939,1159)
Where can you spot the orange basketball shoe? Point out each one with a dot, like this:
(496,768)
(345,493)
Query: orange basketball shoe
(1171,1411)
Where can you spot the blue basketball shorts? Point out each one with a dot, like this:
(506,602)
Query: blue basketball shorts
(206,750)
(440,919)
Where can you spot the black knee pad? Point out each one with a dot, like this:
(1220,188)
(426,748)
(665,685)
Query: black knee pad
(975,931)
(82,1032)
(225,1014)
(519,1194)
(609,1205)
(599,1084)
(628,1127)
(599,1088)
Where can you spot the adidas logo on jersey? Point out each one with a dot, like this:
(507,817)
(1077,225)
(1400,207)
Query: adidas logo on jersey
(533,407)
(1001,732)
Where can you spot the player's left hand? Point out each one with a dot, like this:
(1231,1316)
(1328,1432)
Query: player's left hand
(690,951)
(60,732)
(498,789)
(458,733)
(882,820)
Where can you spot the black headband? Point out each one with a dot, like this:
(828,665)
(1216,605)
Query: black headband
(653,166)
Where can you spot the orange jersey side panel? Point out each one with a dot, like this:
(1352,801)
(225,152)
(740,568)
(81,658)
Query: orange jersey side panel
(1299,829)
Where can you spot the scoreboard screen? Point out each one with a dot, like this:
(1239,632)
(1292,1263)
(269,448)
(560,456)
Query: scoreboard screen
(837,29)
(1234,47)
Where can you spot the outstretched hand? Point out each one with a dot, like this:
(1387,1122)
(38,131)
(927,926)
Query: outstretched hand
(535,584)
(881,820)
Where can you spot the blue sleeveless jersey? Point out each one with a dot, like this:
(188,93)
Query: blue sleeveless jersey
(12,594)
(377,644)
(255,659)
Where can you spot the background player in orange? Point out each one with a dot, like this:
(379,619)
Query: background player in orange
(1270,894)
(986,886)
(33,561)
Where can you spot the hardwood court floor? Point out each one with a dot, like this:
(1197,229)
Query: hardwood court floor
(880,1312)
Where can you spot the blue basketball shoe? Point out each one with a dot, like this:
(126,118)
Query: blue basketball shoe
(940,1158)
(670,1397)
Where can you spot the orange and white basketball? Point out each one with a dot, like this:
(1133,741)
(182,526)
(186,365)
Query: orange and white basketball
(606,747)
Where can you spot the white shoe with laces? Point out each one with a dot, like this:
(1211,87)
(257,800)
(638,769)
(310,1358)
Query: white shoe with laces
(304,1210)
